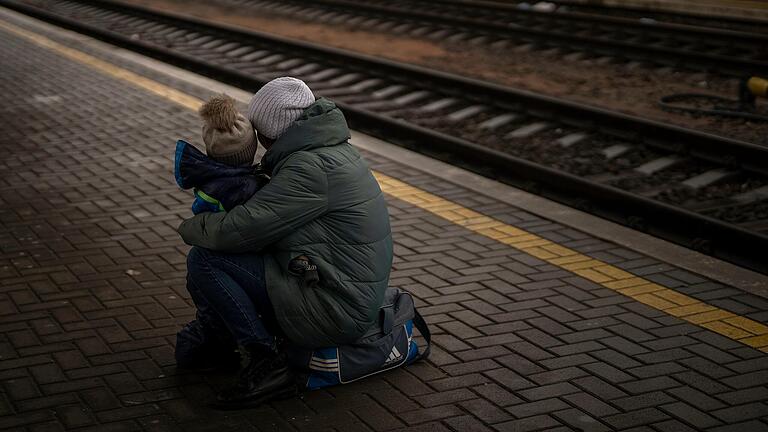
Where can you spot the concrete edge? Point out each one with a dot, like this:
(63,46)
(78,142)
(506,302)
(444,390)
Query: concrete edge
(662,250)
(645,244)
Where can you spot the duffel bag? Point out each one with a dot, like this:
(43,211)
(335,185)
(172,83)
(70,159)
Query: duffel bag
(387,345)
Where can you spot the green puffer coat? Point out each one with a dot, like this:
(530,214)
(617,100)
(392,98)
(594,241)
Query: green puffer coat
(324,203)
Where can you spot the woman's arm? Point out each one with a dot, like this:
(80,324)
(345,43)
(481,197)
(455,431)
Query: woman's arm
(295,196)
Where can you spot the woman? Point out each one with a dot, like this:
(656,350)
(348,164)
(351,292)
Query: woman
(307,257)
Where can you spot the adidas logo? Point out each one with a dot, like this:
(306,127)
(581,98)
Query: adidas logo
(393,356)
(324,365)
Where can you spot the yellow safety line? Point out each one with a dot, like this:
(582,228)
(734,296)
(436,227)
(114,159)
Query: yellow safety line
(155,87)
(728,324)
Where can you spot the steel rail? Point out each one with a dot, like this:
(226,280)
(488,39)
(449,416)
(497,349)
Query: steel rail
(664,136)
(695,19)
(722,239)
(734,65)
(480,6)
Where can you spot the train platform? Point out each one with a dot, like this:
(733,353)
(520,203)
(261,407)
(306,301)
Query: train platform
(543,317)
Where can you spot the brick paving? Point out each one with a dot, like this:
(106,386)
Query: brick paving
(92,294)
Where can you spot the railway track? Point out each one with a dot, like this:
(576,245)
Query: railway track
(608,38)
(697,189)
(742,24)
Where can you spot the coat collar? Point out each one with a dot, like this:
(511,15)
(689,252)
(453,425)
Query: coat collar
(321,125)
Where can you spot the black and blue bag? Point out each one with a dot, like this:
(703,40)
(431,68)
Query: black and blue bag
(387,345)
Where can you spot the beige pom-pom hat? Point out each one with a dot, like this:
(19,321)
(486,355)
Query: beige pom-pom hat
(228,136)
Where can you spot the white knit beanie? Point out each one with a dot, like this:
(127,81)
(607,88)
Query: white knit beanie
(278,104)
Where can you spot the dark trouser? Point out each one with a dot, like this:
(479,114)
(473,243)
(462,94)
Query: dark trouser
(230,293)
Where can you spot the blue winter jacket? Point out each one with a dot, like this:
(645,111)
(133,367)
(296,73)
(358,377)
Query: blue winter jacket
(217,186)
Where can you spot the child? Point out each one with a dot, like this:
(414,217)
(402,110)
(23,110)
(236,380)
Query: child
(225,176)
(221,178)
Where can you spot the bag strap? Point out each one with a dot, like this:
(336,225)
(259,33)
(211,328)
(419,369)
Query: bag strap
(421,325)
(387,318)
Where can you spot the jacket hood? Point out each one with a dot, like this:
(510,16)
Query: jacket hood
(230,185)
(322,124)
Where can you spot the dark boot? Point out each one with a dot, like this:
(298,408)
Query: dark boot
(201,348)
(265,377)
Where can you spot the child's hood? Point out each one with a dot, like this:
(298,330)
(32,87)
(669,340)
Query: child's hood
(230,185)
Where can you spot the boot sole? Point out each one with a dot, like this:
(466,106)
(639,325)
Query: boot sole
(284,393)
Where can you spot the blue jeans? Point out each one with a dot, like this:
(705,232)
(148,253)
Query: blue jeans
(229,291)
